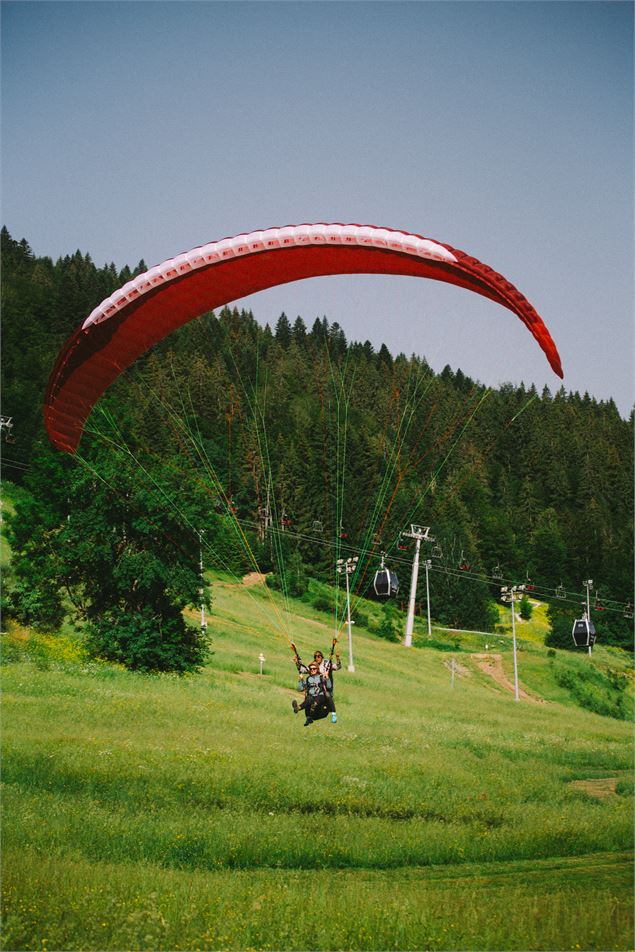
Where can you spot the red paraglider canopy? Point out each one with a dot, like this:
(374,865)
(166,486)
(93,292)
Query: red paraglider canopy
(155,303)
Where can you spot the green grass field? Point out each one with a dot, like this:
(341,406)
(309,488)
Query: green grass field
(198,813)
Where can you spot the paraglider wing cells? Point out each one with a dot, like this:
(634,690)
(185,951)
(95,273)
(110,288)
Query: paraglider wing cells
(160,300)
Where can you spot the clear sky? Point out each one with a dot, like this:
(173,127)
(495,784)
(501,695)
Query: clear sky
(142,129)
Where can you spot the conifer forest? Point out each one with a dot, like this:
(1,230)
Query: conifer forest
(280,449)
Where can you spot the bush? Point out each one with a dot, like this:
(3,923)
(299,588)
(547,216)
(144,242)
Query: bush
(625,788)
(362,619)
(147,641)
(559,634)
(33,603)
(594,691)
(389,627)
(525,608)
(439,645)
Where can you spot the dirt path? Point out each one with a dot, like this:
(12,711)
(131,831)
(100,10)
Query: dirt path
(254,578)
(492,665)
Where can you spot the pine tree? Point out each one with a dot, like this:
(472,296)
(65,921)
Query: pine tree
(283,331)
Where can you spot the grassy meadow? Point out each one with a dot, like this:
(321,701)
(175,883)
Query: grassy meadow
(198,812)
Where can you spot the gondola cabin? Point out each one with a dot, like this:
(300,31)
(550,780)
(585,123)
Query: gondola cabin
(583,633)
(386,583)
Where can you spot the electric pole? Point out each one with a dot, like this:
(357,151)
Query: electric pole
(427,564)
(512,595)
(348,566)
(588,584)
(201,590)
(265,518)
(419,534)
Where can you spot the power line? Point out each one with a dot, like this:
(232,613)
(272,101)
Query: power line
(544,593)
(15,464)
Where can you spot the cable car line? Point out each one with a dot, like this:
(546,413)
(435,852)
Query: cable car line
(540,593)
(419,499)
(461,482)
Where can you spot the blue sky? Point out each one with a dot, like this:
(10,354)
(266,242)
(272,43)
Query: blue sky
(142,129)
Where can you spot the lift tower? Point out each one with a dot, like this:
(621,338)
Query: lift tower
(419,534)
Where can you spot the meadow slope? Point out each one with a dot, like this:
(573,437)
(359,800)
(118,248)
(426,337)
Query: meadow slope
(197,812)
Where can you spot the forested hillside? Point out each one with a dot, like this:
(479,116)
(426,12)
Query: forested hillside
(293,446)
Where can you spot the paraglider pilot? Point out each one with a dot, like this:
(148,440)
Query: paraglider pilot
(317,701)
(316,681)
(327,667)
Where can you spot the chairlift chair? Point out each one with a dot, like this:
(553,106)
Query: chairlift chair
(386,583)
(498,573)
(437,552)
(285,522)
(6,427)
(583,633)
(317,527)
(561,592)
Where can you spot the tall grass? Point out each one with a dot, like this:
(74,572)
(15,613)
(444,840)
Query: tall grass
(67,902)
(198,812)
